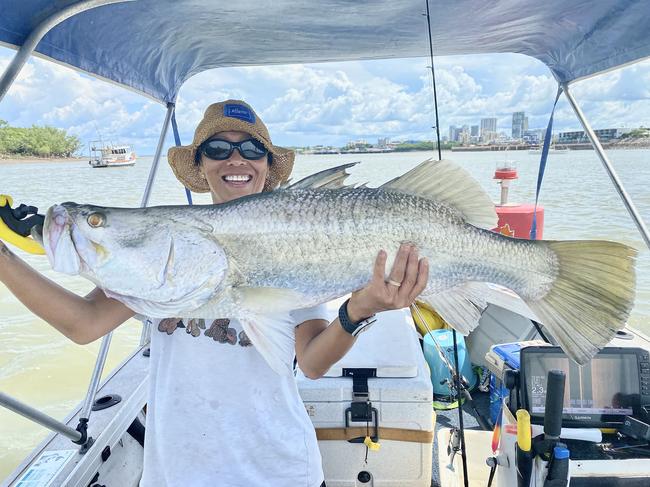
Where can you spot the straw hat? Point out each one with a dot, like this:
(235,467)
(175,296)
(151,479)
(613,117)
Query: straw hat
(230,115)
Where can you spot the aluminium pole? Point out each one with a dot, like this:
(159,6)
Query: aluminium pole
(156,157)
(146,328)
(627,201)
(35,36)
(39,417)
(94,380)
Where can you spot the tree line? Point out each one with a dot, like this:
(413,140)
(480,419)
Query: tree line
(422,146)
(37,141)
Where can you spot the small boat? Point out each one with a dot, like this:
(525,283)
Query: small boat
(551,150)
(110,155)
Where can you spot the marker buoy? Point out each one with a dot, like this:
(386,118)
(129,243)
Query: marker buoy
(515,220)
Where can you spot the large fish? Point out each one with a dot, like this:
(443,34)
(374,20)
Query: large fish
(269,253)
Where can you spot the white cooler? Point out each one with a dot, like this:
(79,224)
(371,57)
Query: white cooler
(399,390)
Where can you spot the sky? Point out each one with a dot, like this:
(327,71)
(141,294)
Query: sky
(331,104)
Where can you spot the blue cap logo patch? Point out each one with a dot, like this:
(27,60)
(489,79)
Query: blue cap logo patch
(239,111)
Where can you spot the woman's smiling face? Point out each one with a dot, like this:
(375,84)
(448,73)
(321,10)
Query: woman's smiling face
(236,176)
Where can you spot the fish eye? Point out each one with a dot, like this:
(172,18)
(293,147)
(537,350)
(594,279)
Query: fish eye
(96,220)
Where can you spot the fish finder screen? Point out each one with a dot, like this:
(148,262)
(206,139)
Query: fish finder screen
(609,384)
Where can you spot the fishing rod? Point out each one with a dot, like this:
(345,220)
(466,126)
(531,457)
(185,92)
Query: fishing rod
(433,79)
(458,383)
(464,391)
(457,374)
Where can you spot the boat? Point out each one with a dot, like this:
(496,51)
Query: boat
(110,155)
(551,150)
(101,440)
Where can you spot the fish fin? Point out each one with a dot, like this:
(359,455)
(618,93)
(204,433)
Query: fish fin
(448,183)
(591,297)
(265,300)
(460,307)
(274,338)
(331,178)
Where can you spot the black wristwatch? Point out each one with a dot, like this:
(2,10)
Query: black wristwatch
(351,327)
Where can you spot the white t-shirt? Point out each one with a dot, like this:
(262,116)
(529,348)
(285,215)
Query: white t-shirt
(218,415)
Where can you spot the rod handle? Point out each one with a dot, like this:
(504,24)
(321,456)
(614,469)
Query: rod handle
(554,404)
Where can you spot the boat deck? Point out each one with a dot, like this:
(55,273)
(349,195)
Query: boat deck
(449,419)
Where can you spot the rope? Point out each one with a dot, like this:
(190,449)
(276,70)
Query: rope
(542,164)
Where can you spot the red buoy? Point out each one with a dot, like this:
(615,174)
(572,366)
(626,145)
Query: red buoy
(505,173)
(514,220)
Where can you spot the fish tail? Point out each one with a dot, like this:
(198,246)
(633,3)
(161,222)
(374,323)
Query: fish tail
(591,297)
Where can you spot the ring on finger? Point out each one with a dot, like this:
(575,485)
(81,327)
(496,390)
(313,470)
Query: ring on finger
(392,282)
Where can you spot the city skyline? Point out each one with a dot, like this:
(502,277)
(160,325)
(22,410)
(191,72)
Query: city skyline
(332,103)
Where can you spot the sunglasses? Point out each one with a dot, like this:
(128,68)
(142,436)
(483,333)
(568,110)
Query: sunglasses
(220,150)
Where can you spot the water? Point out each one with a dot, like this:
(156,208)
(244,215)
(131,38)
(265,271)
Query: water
(44,369)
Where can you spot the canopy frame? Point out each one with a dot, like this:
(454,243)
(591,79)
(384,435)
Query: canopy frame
(35,36)
(609,168)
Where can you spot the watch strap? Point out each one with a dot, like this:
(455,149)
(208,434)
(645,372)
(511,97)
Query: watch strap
(353,328)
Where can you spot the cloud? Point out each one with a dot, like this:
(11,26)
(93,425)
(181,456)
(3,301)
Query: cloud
(331,103)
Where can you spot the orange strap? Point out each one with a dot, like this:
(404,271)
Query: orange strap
(397,434)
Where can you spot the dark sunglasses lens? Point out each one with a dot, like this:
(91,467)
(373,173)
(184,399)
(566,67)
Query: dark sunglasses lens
(218,149)
(252,149)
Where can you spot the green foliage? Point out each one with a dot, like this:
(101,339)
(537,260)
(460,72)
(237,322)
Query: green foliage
(422,146)
(37,141)
(637,133)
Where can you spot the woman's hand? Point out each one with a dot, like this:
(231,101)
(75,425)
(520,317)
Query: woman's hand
(407,279)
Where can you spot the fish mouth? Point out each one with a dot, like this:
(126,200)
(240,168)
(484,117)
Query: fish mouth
(67,249)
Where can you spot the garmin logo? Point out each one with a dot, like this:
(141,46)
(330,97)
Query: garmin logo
(239,111)
(574,416)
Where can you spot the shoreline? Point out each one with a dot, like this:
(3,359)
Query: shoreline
(7,160)
(623,145)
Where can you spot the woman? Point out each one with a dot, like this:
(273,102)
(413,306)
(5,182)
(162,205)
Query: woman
(217,413)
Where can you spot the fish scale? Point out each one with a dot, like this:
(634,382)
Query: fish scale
(334,248)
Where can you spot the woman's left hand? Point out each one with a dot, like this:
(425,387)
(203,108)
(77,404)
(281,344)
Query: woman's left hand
(407,279)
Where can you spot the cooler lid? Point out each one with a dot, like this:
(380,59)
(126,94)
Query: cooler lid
(509,353)
(390,346)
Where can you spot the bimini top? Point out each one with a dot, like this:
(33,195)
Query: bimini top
(153,46)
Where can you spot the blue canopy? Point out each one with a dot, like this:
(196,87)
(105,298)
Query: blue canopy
(153,46)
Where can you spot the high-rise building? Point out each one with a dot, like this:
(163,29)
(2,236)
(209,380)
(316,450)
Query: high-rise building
(474,131)
(488,129)
(488,125)
(519,124)
(455,133)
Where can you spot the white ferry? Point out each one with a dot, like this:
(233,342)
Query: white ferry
(110,155)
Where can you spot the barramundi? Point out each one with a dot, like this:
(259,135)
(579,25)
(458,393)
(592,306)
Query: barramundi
(266,254)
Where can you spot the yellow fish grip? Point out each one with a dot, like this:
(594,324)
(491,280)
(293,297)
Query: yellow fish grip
(8,235)
(430,315)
